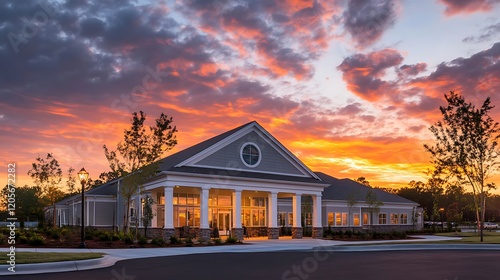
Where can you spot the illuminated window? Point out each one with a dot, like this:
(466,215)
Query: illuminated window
(382,218)
(290,219)
(394,219)
(330,218)
(366,219)
(356,219)
(340,219)
(404,219)
(250,155)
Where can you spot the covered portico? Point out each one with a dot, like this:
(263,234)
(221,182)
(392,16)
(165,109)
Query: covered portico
(228,204)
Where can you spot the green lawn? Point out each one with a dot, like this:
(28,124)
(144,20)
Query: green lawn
(34,257)
(489,237)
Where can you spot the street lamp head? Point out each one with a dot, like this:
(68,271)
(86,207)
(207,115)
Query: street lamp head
(83,175)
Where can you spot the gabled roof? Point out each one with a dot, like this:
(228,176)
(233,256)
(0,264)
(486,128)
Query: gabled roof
(343,189)
(176,162)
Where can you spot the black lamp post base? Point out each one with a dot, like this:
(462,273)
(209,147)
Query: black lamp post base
(83,245)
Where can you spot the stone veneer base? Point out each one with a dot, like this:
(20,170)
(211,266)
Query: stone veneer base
(167,233)
(203,234)
(296,233)
(237,233)
(317,232)
(273,233)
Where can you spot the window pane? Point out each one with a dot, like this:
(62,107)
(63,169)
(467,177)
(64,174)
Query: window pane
(290,219)
(338,220)
(330,218)
(182,199)
(255,217)
(356,220)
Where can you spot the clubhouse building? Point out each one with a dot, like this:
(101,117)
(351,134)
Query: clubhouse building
(243,182)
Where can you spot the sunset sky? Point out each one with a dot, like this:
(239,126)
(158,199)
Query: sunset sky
(350,87)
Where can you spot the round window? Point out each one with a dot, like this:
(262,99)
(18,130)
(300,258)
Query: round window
(250,154)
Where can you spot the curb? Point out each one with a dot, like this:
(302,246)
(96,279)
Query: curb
(406,247)
(37,268)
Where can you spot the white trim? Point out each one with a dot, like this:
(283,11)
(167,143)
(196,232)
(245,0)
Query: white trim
(243,160)
(254,171)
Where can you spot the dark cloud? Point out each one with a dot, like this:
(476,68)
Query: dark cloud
(477,76)
(283,37)
(412,70)
(364,73)
(454,7)
(488,33)
(367,20)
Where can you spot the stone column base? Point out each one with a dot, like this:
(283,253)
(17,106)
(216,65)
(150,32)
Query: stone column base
(273,233)
(297,233)
(167,233)
(237,233)
(203,234)
(317,232)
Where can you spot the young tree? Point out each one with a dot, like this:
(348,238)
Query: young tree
(466,146)
(47,174)
(147,213)
(373,203)
(135,158)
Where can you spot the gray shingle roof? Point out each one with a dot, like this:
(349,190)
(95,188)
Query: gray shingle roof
(341,189)
(109,188)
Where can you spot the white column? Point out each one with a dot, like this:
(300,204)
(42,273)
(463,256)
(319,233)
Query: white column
(297,210)
(204,208)
(237,209)
(139,210)
(154,208)
(316,198)
(169,207)
(272,217)
(88,213)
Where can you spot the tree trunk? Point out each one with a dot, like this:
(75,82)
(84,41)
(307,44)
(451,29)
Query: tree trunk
(54,216)
(483,208)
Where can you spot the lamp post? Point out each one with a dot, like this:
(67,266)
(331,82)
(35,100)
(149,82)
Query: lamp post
(83,175)
(441,210)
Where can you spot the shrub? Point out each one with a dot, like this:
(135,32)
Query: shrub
(189,242)
(128,239)
(174,240)
(23,239)
(217,241)
(105,236)
(231,240)
(142,240)
(36,240)
(158,241)
(115,237)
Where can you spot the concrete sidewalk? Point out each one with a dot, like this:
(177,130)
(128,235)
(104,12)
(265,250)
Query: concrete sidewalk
(250,245)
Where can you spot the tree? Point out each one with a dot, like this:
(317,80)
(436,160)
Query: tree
(466,146)
(29,204)
(47,175)
(147,213)
(71,181)
(373,203)
(362,180)
(135,158)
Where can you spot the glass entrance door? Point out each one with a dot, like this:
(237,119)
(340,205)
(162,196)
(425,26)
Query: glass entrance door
(224,222)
